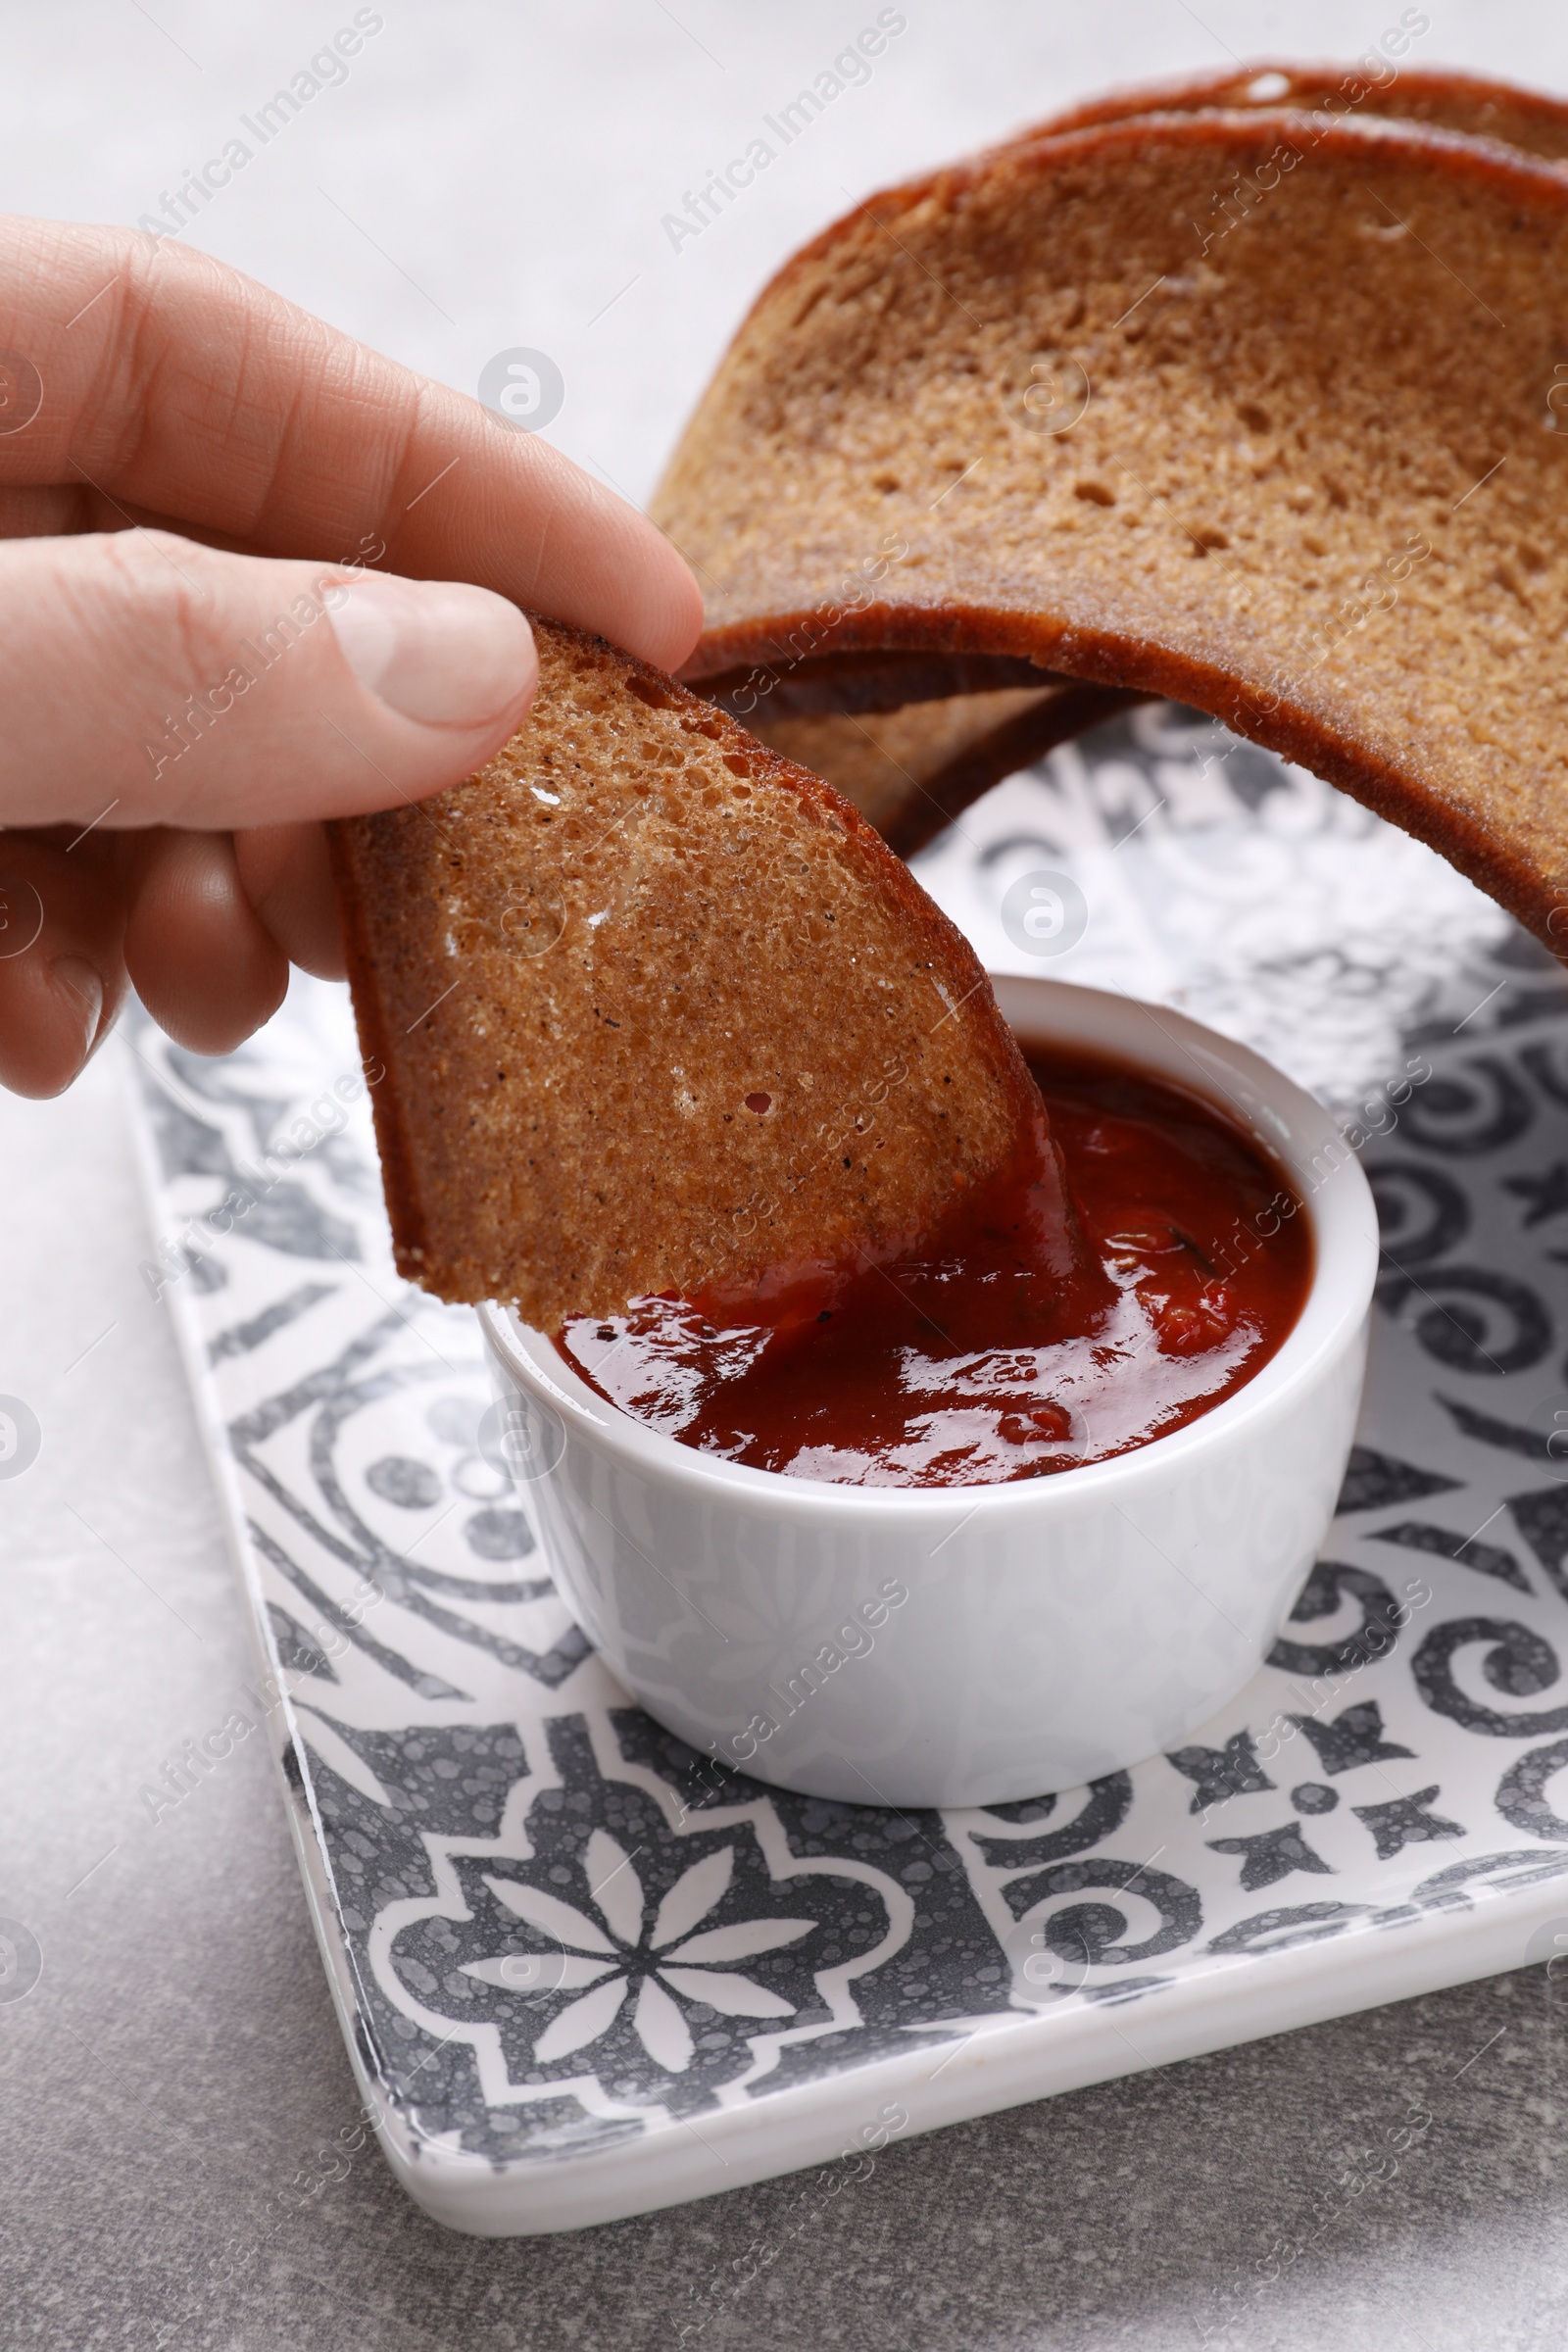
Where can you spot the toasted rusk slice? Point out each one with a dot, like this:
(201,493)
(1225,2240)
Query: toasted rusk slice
(1373,84)
(659,1011)
(913,769)
(1292,457)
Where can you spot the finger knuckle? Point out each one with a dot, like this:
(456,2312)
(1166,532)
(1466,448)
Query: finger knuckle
(162,591)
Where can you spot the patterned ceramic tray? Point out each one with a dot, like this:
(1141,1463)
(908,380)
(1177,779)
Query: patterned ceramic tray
(581,1971)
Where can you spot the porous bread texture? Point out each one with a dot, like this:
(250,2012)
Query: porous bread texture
(913,771)
(910,771)
(1315,487)
(656,1010)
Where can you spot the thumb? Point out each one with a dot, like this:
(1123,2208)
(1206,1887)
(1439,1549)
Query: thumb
(148,680)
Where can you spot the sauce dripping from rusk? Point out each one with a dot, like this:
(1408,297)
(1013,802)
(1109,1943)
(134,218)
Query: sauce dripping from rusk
(1023,1336)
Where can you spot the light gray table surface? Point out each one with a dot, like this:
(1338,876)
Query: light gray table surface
(487,176)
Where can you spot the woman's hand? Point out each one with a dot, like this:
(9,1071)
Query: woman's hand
(202,493)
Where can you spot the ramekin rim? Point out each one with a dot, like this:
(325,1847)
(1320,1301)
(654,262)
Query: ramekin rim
(1343,1222)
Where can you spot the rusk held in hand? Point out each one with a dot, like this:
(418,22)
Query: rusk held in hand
(659,1011)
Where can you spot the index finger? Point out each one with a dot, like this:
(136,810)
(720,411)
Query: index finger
(173,385)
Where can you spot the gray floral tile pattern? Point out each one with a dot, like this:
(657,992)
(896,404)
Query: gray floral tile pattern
(556,1928)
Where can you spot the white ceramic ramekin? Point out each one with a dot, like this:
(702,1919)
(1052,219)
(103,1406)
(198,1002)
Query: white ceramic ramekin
(968,1645)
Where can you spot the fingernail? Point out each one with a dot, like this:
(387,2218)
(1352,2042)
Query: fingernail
(437,651)
(87,991)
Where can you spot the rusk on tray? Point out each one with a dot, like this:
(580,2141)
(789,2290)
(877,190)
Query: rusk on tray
(912,769)
(1292,456)
(658,1011)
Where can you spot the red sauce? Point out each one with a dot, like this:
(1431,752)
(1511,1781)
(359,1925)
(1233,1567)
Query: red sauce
(1027,1334)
